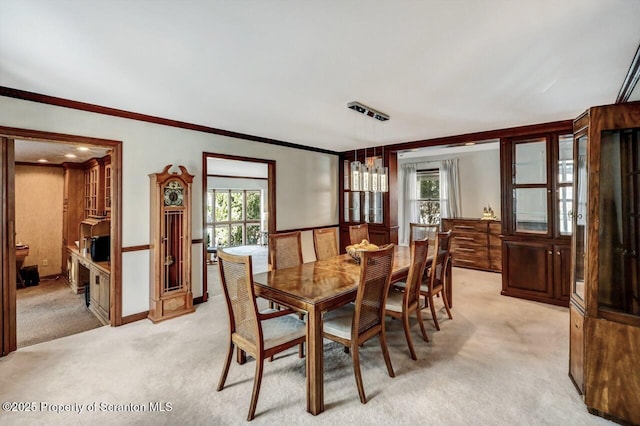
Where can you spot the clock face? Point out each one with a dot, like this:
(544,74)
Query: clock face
(173,194)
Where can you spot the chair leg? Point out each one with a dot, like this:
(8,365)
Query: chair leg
(446,304)
(301,350)
(385,352)
(433,313)
(407,334)
(355,355)
(256,388)
(225,370)
(422,329)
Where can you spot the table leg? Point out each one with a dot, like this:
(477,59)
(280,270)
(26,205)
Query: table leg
(449,286)
(315,361)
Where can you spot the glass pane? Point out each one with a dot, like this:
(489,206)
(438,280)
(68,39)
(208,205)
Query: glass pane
(580,217)
(236,235)
(531,162)
(429,212)
(355,207)
(222,206)
(253,234)
(209,206)
(565,209)
(376,207)
(210,237)
(618,237)
(237,202)
(565,159)
(365,208)
(429,185)
(222,235)
(530,205)
(253,205)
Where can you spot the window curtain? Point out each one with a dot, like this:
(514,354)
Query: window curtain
(409,191)
(450,203)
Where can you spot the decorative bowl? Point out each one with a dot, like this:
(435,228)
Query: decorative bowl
(355,250)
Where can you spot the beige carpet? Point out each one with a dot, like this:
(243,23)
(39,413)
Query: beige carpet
(49,311)
(500,361)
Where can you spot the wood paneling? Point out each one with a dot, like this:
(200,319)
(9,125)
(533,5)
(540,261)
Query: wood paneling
(576,348)
(39,198)
(611,369)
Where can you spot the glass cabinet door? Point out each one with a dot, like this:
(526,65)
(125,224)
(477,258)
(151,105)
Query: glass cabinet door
(530,183)
(564,191)
(580,218)
(619,209)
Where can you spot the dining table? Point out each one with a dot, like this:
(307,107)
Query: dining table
(314,288)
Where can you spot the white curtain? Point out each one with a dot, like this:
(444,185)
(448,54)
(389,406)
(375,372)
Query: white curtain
(410,213)
(450,203)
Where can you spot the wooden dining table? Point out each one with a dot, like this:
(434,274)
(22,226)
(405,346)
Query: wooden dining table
(314,288)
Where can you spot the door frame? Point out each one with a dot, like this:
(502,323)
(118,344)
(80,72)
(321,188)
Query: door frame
(7,216)
(271,204)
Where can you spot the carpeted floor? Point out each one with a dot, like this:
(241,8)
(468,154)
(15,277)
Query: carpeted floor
(49,311)
(500,361)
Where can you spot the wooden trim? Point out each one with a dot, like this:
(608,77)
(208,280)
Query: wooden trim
(67,103)
(630,80)
(115,312)
(136,248)
(134,317)
(620,317)
(8,339)
(197,241)
(271,202)
(527,130)
(24,163)
(311,228)
(198,300)
(238,177)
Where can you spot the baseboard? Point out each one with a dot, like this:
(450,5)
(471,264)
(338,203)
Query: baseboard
(135,317)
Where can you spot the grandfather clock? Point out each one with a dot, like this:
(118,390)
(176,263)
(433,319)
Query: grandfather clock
(170,251)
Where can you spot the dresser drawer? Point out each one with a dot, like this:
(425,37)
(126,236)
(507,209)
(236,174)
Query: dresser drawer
(468,239)
(470,262)
(469,251)
(465,226)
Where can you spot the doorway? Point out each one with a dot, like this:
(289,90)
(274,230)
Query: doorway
(11,159)
(238,210)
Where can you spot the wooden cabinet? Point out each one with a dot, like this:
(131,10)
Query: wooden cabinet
(538,172)
(475,243)
(605,275)
(82,272)
(537,270)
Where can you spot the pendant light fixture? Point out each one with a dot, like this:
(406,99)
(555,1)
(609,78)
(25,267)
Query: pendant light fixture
(368,176)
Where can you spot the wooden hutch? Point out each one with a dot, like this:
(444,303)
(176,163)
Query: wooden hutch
(604,349)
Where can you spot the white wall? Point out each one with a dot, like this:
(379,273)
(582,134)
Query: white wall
(306,182)
(479,180)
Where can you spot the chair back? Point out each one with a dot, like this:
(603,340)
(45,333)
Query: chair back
(420,231)
(441,259)
(237,286)
(357,233)
(419,251)
(325,242)
(375,277)
(285,250)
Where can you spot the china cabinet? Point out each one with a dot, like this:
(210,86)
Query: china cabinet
(537,178)
(605,276)
(378,209)
(170,292)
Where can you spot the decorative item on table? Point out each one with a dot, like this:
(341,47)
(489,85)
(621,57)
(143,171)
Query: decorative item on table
(488,214)
(356,250)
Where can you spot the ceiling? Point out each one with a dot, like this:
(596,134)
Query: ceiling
(56,153)
(285,69)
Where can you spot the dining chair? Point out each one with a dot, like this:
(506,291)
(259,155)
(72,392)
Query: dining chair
(420,231)
(325,242)
(401,303)
(438,270)
(285,250)
(260,334)
(355,323)
(357,233)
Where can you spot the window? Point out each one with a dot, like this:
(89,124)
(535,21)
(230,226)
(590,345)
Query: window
(428,188)
(233,217)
